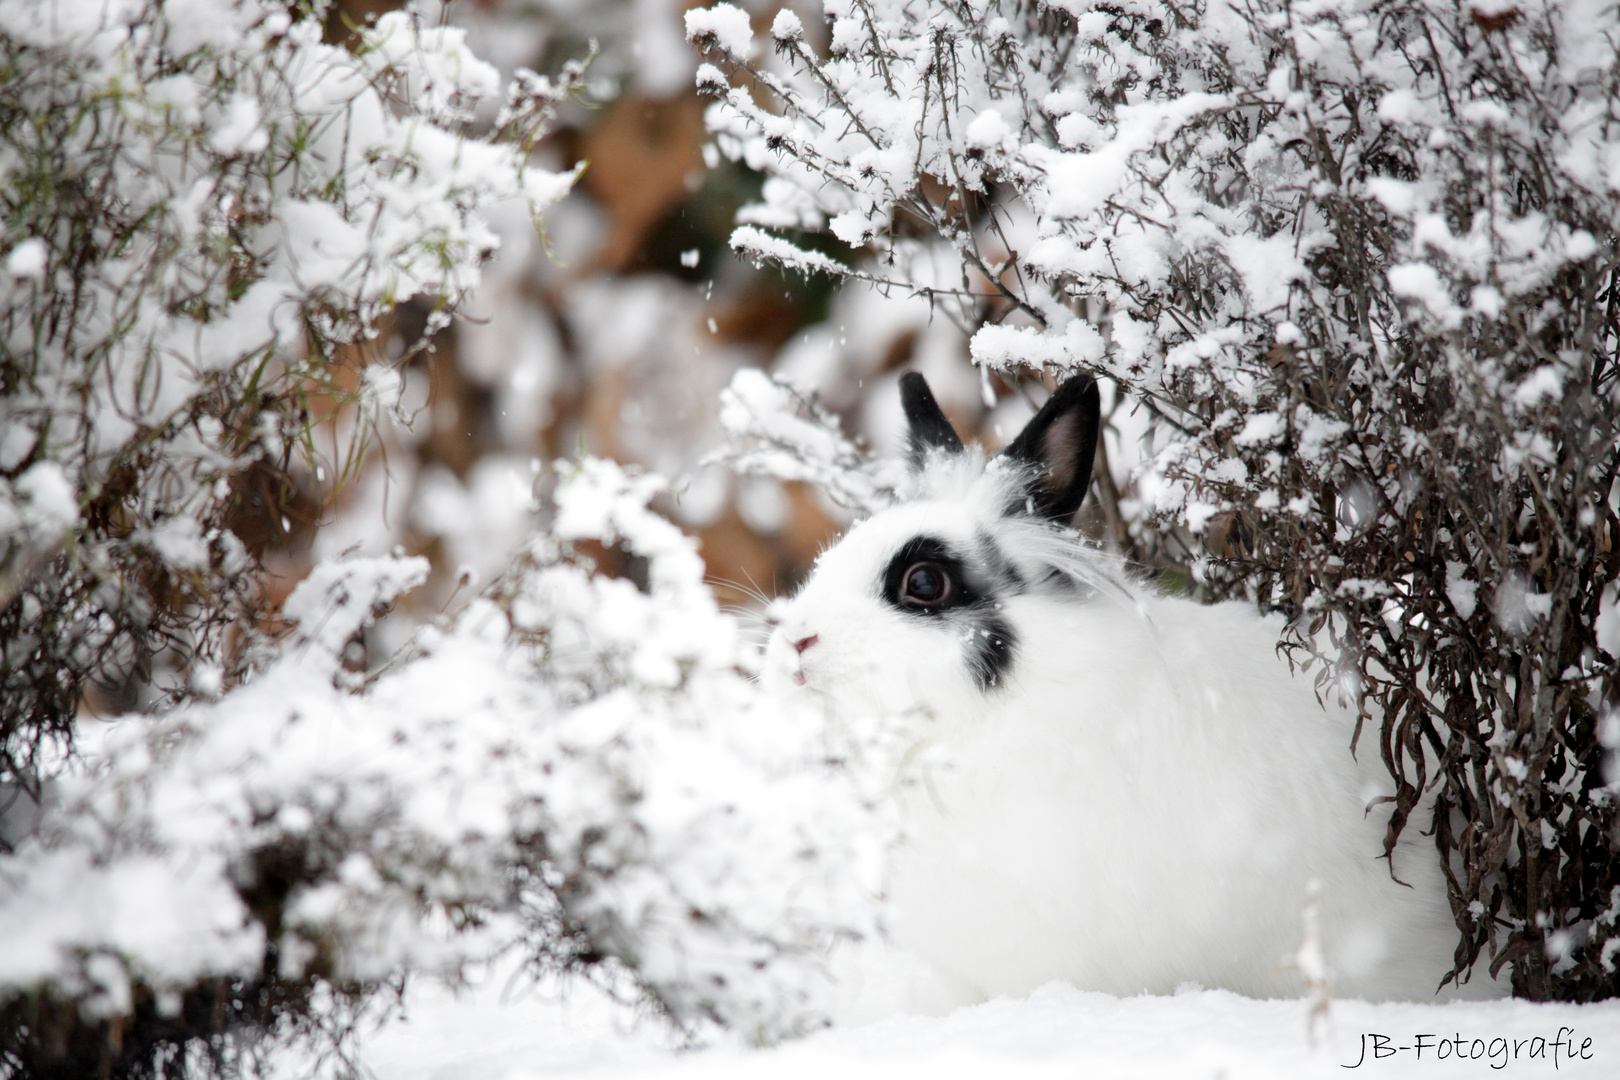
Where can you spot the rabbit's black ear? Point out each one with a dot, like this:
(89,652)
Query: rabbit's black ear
(929,429)
(1060,442)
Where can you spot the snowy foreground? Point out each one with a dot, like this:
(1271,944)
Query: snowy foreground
(1056,1032)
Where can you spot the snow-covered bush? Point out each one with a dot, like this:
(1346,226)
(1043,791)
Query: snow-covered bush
(773,430)
(201,204)
(576,767)
(1358,259)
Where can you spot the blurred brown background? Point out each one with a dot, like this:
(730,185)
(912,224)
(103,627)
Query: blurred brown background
(613,333)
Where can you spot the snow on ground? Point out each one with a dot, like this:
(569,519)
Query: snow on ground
(496,1032)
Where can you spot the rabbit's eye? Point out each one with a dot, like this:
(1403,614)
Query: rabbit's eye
(926,585)
(925,578)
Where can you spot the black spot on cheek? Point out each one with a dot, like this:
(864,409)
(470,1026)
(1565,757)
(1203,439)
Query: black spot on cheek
(991,648)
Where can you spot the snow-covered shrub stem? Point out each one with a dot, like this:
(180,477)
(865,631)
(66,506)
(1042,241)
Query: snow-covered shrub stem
(200,205)
(1359,260)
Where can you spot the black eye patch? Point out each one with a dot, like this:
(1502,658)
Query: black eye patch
(927,579)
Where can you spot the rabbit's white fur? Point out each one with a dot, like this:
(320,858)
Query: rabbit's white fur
(1138,803)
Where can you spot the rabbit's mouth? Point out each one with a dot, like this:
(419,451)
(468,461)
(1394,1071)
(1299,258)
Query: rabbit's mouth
(785,660)
(785,656)
(803,674)
(802,646)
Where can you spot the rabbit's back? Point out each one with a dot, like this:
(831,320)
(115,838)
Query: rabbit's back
(1144,806)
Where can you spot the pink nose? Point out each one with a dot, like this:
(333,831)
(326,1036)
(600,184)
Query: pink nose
(804,643)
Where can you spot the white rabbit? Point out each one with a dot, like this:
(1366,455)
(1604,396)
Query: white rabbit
(1116,788)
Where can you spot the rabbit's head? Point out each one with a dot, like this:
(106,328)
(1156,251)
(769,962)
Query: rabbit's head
(922,604)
